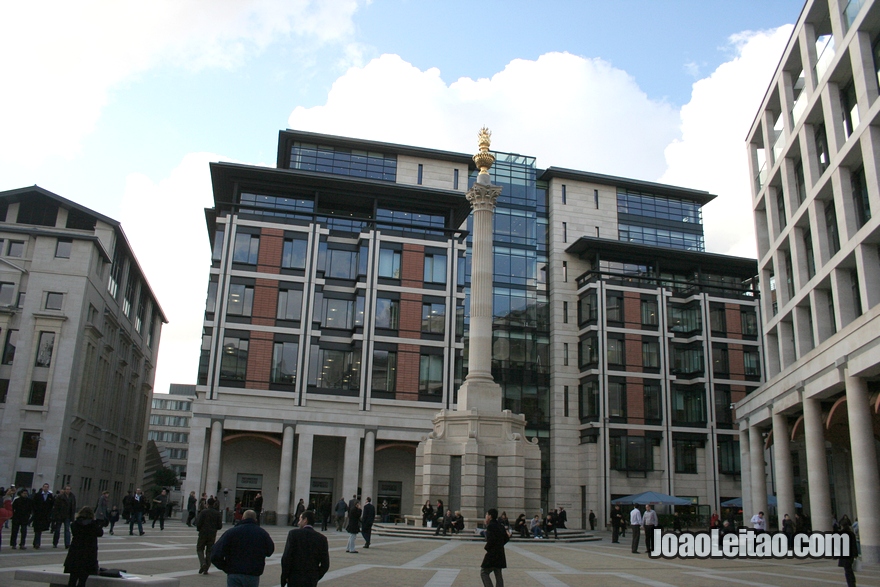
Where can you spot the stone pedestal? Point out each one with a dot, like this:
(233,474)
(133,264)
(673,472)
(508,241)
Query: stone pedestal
(478,437)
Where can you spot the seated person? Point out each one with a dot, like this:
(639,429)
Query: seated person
(535,527)
(521,527)
(457,523)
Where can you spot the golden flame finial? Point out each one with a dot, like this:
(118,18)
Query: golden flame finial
(484,159)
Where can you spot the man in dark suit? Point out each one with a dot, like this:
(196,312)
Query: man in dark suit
(368,516)
(44,502)
(139,505)
(307,552)
(495,560)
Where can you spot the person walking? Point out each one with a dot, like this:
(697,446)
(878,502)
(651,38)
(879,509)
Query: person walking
(649,521)
(306,555)
(258,507)
(561,518)
(43,501)
(592,519)
(242,551)
(208,522)
(635,520)
(160,502)
(367,519)
(22,508)
(61,519)
(354,526)
(846,562)
(136,515)
(114,517)
(126,506)
(102,509)
(617,523)
(82,557)
(191,508)
(326,511)
(494,560)
(300,508)
(383,511)
(340,510)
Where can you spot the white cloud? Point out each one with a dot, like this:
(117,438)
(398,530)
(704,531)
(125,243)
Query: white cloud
(711,152)
(59,60)
(566,110)
(165,224)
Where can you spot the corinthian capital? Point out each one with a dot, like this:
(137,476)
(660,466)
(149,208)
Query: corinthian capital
(483,197)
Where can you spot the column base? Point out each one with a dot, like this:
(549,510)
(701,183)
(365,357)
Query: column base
(870,554)
(481,395)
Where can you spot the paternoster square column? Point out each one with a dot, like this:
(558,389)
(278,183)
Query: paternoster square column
(479,391)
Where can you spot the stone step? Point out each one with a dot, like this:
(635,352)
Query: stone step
(469,534)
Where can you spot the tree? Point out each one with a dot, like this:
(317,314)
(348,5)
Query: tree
(165,477)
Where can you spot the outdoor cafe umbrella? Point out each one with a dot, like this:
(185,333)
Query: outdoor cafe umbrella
(738,502)
(653,498)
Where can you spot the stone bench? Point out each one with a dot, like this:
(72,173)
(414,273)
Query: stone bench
(56,579)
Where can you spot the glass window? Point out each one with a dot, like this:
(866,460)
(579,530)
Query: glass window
(246,249)
(63,248)
(343,161)
(384,371)
(284,358)
(808,252)
(685,319)
(800,184)
(614,308)
(431,374)
(588,352)
(616,351)
(649,312)
(720,362)
(749,321)
(860,196)
(342,264)
(653,410)
(115,273)
(338,313)
(728,456)
(651,354)
(718,318)
(434,318)
(30,442)
(7,294)
(241,300)
(9,349)
(293,254)
(688,406)
(289,304)
(4,390)
(685,456)
(211,302)
(687,360)
(217,250)
(387,313)
(780,209)
(15,249)
(616,399)
(141,312)
(822,156)
(277,206)
(752,363)
(389,263)
(54,300)
(233,365)
(723,411)
(587,311)
(44,349)
(631,453)
(589,399)
(37,396)
(435,268)
(128,298)
(336,370)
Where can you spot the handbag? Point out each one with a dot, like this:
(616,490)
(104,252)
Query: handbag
(857,564)
(113,573)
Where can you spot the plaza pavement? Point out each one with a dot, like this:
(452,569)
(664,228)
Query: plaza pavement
(396,562)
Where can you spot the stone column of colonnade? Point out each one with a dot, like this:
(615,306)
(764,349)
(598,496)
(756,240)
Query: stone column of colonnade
(212,478)
(783,468)
(350,466)
(817,466)
(369,460)
(864,463)
(304,450)
(745,468)
(284,474)
(758,472)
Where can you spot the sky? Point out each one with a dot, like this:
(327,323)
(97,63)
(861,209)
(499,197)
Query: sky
(121,105)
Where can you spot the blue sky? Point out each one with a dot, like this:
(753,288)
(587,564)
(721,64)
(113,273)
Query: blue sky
(121,106)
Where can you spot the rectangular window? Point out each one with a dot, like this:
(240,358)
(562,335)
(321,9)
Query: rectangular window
(338,314)
(128,298)
(30,442)
(37,396)
(718,319)
(434,318)
(749,322)
(293,254)
(565,312)
(596,201)
(685,456)
(587,311)
(44,349)
(752,363)
(723,411)
(217,249)
(4,390)
(455,179)
(589,399)
(614,307)
(616,399)
(246,249)
(211,301)
(649,312)
(565,354)
(616,351)
(141,312)
(435,268)
(15,249)
(565,401)
(419,179)
(651,354)
(653,411)
(284,357)
(289,304)
(849,109)
(685,319)
(389,263)
(810,257)
(63,248)
(431,374)
(115,274)
(341,264)
(7,294)
(9,349)
(823,158)
(387,313)
(687,360)
(728,456)
(241,300)
(54,300)
(688,406)
(856,291)
(565,271)
(860,196)
(565,232)
(780,209)
(384,371)
(720,361)
(800,184)
(564,195)
(631,453)
(588,352)
(233,364)
(336,369)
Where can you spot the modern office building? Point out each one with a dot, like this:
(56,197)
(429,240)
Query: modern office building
(337,315)
(814,150)
(81,330)
(169,426)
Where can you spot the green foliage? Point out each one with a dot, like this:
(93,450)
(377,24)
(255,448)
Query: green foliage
(165,477)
